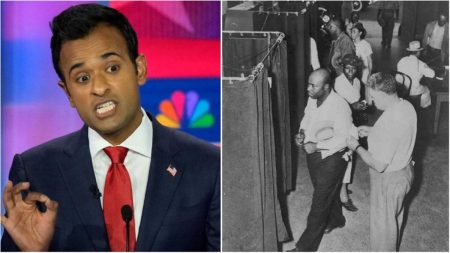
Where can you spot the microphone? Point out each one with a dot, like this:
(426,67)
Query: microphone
(95,192)
(127,215)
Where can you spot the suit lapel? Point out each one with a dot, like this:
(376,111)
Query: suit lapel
(78,174)
(161,186)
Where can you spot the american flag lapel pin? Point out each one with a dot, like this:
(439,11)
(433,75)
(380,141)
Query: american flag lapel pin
(172,170)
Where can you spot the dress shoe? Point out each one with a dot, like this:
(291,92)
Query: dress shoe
(349,205)
(328,229)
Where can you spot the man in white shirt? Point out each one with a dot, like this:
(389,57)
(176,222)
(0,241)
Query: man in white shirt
(416,69)
(391,142)
(435,41)
(323,131)
(123,182)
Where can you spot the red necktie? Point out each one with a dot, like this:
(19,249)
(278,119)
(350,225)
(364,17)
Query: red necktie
(117,193)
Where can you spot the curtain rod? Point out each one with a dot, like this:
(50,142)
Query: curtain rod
(257,70)
(250,32)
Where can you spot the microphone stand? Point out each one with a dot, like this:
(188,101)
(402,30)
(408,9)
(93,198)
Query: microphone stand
(127,215)
(127,245)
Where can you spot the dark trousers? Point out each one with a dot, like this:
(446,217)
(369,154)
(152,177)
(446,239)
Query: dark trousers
(434,57)
(388,28)
(326,176)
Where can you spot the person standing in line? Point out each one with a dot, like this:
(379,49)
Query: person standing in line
(389,157)
(364,51)
(322,134)
(348,86)
(388,13)
(340,46)
(435,41)
(350,22)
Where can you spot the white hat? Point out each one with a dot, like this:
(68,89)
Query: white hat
(414,46)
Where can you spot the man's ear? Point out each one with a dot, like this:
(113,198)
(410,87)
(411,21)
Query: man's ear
(63,86)
(141,65)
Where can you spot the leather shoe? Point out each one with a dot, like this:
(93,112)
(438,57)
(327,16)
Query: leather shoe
(293,250)
(349,205)
(328,229)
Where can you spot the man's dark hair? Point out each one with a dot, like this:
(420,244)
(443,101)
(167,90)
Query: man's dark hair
(351,59)
(78,21)
(383,82)
(338,23)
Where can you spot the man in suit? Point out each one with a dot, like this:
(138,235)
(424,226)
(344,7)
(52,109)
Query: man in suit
(122,182)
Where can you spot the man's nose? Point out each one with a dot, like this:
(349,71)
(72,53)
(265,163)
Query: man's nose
(99,85)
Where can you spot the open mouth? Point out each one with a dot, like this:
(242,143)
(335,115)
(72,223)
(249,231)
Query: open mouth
(105,108)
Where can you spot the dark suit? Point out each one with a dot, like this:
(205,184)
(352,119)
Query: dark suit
(181,212)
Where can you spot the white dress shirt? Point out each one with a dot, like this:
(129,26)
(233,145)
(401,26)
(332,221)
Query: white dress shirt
(415,69)
(350,92)
(435,41)
(328,125)
(393,136)
(137,162)
(363,50)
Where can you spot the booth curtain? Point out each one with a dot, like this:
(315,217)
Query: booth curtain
(251,209)
(240,55)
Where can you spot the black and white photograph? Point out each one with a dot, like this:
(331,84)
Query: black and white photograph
(335,126)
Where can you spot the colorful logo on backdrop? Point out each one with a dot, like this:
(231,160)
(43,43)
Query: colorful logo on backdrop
(185,110)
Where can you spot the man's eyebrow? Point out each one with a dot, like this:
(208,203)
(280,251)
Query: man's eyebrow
(76,65)
(103,57)
(109,54)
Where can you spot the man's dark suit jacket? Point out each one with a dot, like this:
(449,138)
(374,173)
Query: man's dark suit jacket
(181,212)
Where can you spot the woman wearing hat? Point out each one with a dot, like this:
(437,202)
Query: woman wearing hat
(416,69)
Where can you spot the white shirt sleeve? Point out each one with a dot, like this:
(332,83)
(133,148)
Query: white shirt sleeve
(425,70)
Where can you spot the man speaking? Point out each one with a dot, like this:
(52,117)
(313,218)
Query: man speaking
(123,182)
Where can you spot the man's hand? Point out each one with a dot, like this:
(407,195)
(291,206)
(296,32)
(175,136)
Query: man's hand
(359,106)
(310,147)
(299,138)
(30,229)
(364,131)
(352,143)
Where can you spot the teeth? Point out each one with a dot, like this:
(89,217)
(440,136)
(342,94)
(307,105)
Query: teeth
(106,107)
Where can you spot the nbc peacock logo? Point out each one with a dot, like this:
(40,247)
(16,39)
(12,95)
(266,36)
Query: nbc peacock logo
(185,109)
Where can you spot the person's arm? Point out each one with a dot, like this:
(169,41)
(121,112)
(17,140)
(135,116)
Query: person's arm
(314,55)
(426,36)
(213,218)
(425,70)
(397,10)
(369,63)
(444,47)
(365,155)
(30,229)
